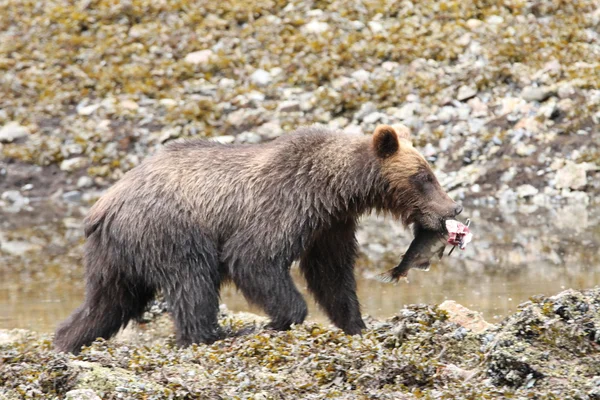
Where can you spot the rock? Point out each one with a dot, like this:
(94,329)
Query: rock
(446,114)
(478,108)
(494,20)
(361,75)
(168,103)
(376,26)
(315,27)
(464,317)
(249,137)
(82,394)
(85,182)
(261,77)
(466,93)
(73,164)
(408,111)
(374,117)
(129,105)
(18,247)
(571,176)
(73,196)
(199,57)
(525,150)
(365,109)
(270,130)
(532,93)
(15,200)
(525,191)
(474,23)
(223,139)
(87,110)
(566,91)
(13,131)
(289,106)
(353,129)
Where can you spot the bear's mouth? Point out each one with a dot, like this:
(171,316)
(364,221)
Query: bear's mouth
(430,222)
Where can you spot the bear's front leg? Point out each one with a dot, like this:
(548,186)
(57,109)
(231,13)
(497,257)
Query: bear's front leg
(328,266)
(268,284)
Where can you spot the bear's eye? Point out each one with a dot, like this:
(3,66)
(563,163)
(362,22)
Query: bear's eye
(429,178)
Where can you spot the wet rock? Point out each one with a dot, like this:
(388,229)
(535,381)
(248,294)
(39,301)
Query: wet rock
(14,200)
(73,196)
(533,93)
(73,164)
(526,191)
(261,77)
(82,394)
(199,57)
(18,247)
(464,317)
(571,176)
(466,93)
(13,131)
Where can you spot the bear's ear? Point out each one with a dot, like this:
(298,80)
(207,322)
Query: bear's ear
(385,141)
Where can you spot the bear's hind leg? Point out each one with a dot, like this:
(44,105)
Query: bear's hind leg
(271,287)
(109,305)
(328,266)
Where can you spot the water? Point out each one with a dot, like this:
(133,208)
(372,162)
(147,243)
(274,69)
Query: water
(512,257)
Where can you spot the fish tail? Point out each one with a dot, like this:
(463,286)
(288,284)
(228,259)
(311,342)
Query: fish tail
(390,276)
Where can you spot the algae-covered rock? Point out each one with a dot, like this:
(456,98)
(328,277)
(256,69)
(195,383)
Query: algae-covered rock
(548,349)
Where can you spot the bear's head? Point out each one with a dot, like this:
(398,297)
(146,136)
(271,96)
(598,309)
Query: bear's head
(411,190)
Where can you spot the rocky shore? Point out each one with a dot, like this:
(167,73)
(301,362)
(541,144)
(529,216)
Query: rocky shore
(502,98)
(549,349)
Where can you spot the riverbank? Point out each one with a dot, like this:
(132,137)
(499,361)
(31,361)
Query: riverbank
(548,349)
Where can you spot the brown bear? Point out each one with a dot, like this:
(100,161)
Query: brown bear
(199,214)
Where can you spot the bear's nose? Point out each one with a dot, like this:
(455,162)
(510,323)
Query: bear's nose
(457,209)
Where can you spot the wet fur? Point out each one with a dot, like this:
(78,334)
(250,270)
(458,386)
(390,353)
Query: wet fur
(199,214)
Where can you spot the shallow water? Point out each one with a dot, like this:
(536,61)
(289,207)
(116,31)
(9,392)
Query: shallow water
(512,257)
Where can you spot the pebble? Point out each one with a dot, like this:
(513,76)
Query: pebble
(82,394)
(13,131)
(16,201)
(525,150)
(315,27)
(248,137)
(73,164)
(261,77)
(289,106)
(88,110)
(73,196)
(525,191)
(85,182)
(532,93)
(466,93)
(199,57)
(572,176)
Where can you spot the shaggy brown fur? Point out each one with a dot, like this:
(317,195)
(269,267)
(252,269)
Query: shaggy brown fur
(199,213)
